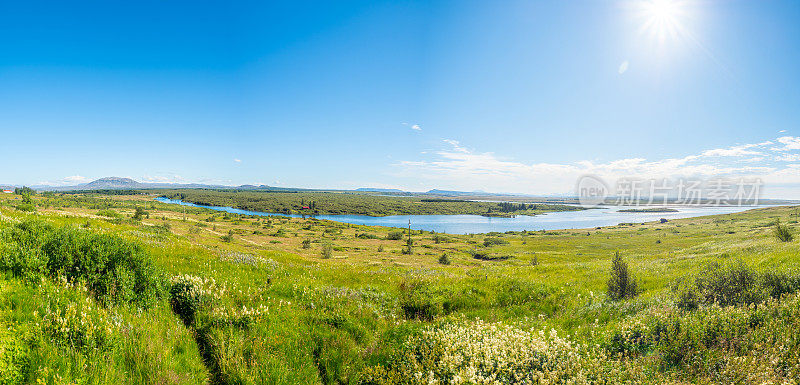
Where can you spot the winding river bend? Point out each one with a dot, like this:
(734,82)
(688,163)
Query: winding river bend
(466,224)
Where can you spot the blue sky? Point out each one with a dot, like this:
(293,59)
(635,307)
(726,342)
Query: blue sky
(504,96)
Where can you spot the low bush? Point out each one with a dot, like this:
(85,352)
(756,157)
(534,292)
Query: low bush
(485,256)
(732,284)
(481,352)
(444,259)
(109,213)
(493,241)
(112,269)
(394,235)
(26,207)
(419,301)
(367,236)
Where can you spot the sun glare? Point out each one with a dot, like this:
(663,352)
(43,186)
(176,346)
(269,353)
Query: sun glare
(662,18)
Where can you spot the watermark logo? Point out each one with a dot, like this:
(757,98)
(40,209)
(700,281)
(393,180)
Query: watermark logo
(591,190)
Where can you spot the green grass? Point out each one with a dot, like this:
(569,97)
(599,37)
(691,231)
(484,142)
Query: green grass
(264,312)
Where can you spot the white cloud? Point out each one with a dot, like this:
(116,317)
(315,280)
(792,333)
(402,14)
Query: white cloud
(456,145)
(459,168)
(164,178)
(623,67)
(76,179)
(415,127)
(237,160)
(66,181)
(789,143)
(733,151)
(788,158)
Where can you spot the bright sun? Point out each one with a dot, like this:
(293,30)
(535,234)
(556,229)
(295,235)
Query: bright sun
(662,18)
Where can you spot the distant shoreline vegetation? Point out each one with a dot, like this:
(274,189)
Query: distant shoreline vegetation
(328,203)
(649,210)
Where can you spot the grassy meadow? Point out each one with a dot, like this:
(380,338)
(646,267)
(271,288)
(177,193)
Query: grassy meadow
(102,289)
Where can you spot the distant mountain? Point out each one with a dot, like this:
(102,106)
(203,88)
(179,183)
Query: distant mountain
(117,183)
(380,190)
(456,193)
(112,182)
(253,187)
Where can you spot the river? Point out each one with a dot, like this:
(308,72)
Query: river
(466,224)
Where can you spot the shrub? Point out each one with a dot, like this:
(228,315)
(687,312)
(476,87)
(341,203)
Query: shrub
(109,213)
(725,285)
(139,213)
(622,284)
(394,235)
(327,251)
(783,232)
(419,301)
(493,241)
(228,238)
(71,320)
(113,269)
(409,247)
(485,256)
(444,259)
(306,243)
(367,236)
(777,284)
(481,352)
(732,284)
(186,301)
(27,207)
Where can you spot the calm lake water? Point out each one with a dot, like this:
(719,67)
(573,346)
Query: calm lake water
(466,224)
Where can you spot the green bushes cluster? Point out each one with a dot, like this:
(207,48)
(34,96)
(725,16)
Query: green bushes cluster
(485,256)
(493,241)
(112,269)
(109,213)
(367,236)
(394,235)
(732,284)
(734,344)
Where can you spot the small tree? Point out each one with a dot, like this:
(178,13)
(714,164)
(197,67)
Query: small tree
(409,247)
(306,243)
(783,232)
(139,213)
(622,284)
(444,259)
(327,251)
(228,238)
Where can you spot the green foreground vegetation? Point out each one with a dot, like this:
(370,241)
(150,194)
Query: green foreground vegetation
(123,290)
